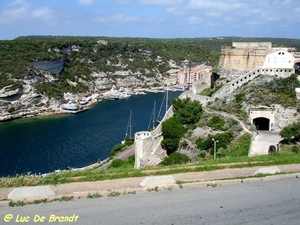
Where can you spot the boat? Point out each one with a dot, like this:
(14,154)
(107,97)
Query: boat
(84,101)
(69,106)
(124,95)
(129,128)
(166,100)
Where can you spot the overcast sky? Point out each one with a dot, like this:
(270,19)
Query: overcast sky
(150,18)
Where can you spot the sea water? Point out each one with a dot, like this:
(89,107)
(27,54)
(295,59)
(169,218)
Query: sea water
(44,144)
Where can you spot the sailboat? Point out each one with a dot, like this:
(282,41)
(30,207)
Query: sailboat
(129,128)
(152,118)
(165,99)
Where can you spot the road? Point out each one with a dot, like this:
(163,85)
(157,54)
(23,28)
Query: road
(261,202)
(122,155)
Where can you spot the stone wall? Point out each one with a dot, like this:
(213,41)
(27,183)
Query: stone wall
(256,45)
(147,145)
(242,59)
(204,100)
(230,87)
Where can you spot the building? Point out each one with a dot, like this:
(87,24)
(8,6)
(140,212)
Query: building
(192,74)
(103,42)
(281,58)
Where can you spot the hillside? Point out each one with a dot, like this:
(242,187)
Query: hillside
(93,67)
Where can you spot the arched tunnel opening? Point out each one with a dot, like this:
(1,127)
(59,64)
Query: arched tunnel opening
(297,67)
(261,123)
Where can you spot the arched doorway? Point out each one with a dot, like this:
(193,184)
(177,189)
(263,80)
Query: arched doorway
(261,123)
(297,67)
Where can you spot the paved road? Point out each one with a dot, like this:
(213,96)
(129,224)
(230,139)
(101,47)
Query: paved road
(265,202)
(123,156)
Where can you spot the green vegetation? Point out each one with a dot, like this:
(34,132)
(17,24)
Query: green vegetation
(39,201)
(291,132)
(238,147)
(17,56)
(121,147)
(278,91)
(186,111)
(207,144)
(175,158)
(216,123)
(118,173)
(186,114)
(94,195)
(211,91)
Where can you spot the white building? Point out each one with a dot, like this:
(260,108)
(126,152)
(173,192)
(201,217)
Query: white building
(279,59)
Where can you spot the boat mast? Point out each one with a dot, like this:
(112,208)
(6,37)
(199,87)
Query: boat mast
(130,123)
(153,119)
(167,99)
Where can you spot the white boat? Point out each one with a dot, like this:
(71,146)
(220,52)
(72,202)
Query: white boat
(85,100)
(69,106)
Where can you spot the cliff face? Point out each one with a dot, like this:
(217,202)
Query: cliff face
(25,102)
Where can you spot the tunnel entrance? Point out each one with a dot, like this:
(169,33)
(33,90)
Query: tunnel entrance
(261,123)
(297,67)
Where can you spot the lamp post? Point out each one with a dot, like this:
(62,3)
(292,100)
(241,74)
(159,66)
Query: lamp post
(215,145)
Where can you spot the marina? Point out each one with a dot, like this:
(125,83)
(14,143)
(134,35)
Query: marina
(45,144)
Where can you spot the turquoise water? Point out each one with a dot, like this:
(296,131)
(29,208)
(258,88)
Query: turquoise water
(45,144)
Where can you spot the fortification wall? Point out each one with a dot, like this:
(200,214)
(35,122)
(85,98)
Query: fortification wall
(245,59)
(230,87)
(257,45)
(200,98)
(148,150)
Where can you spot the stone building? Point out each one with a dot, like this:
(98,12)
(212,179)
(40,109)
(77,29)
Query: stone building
(244,56)
(192,74)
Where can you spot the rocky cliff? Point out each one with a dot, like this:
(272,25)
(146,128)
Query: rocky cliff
(25,101)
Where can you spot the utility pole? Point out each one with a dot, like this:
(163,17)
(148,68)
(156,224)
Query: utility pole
(215,146)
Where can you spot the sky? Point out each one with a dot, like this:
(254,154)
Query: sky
(150,18)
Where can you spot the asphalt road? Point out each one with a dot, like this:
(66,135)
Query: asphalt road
(263,202)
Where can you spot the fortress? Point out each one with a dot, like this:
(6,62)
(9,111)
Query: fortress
(246,60)
(244,56)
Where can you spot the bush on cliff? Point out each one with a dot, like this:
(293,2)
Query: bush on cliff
(187,112)
(175,159)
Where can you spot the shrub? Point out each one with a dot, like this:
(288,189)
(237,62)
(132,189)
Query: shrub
(186,111)
(175,158)
(291,132)
(295,149)
(170,145)
(240,97)
(216,123)
(117,148)
(116,163)
(171,128)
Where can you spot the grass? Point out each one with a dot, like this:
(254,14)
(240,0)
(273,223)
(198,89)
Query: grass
(39,201)
(94,195)
(233,161)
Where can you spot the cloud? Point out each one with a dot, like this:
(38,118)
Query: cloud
(21,11)
(122,1)
(86,2)
(162,2)
(117,19)
(193,20)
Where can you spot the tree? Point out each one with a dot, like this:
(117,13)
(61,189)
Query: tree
(291,132)
(170,145)
(171,128)
(186,111)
